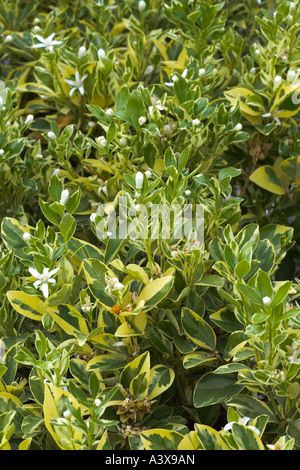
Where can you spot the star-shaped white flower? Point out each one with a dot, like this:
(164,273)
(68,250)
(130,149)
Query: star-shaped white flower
(76,84)
(43,279)
(48,43)
(244,421)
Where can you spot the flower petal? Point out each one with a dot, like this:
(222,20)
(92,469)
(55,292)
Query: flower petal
(34,273)
(54,271)
(45,289)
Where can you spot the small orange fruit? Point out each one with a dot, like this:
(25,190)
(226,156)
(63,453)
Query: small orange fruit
(117,308)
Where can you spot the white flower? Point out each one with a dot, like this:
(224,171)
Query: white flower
(113,284)
(277,80)
(48,43)
(266,301)
(102,189)
(156,104)
(26,236)
(196,122)
(139,179)
(64,196)
(201,72)
(238,127)
(291,75)
(29,119)
(76,84)
(51,135)
(184,73)
(294,351)
(244,422)
(101,53)
(97,401)
(101,141)
(149,70)
(174,78)
(142,5)
(43,279)
(8,38)
(142,120)
(109,112)
(81,52)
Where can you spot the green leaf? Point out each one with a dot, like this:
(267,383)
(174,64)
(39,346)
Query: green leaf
(268,178)
(161,439)
(215,388)
(67,226)
(197,329)
(210,438)
(246,438)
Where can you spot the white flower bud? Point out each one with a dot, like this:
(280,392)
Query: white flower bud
(101,53)
(238,127)
(56,172)
(29,119)
(266,301)
(253,71)
(149,70)
(187,192)
(277,80)
(109,112)
(97,402)
(37,29)
(139,179)
(196,122)
(1,152)
(51,135)
(142,5)
(291,75)
(26,236)
(201,72)
(64,196)
(93,217)
(81,52)
(123,142)
(148,174)
(8,38)
(67,414)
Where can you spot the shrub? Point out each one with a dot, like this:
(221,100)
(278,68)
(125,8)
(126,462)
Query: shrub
(149,226)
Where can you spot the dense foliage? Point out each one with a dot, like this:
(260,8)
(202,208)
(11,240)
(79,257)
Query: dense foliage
(139,342)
